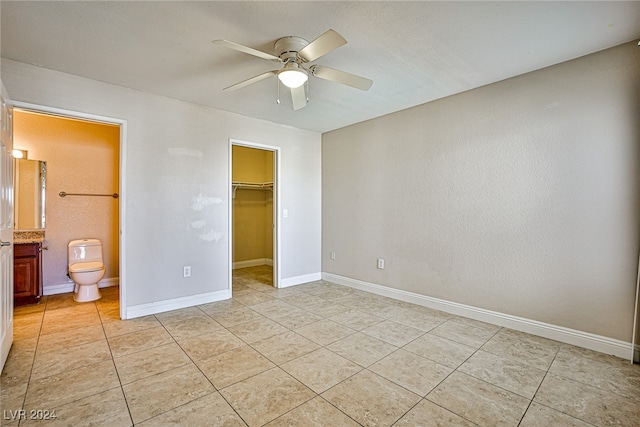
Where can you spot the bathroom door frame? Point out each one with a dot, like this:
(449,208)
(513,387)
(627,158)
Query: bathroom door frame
(52,111)
(276,206)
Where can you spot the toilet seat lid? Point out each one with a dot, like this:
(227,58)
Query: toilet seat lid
(80,267)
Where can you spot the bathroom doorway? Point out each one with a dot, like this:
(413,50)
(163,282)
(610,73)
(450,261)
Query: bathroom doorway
(75,146)
(253,215)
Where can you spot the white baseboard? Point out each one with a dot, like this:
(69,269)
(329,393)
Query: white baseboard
(297,280)
(69,287)
(253,263)
(175,304)
(569,336)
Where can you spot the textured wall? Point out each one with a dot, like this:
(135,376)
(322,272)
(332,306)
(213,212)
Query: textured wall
(520,197)
(82,157)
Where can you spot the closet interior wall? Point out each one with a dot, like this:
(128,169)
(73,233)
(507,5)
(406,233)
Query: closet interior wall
(252,207)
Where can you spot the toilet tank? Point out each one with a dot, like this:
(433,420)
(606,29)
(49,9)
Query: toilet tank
(85,250)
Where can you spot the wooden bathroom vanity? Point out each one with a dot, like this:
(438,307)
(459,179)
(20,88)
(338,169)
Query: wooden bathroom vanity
(27,271)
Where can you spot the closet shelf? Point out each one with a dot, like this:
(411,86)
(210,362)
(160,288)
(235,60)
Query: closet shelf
(250,186)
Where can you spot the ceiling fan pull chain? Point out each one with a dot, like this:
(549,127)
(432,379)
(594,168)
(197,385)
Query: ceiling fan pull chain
(278,84)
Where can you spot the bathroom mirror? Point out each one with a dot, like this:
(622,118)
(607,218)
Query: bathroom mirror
(30,182)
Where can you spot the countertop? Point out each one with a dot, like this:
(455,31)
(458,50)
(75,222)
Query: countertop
(28,236)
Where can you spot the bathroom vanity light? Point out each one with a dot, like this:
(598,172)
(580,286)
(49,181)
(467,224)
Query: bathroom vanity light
(19,154)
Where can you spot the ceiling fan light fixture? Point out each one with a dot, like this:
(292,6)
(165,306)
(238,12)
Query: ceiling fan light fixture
(293,76)
(296,56)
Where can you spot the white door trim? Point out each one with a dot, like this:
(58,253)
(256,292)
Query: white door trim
(635,347)
(276,206)
(6,232)
(122,190)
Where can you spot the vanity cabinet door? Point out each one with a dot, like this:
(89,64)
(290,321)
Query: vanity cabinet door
(26,274)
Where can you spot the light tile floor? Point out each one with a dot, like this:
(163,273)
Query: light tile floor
(316,354)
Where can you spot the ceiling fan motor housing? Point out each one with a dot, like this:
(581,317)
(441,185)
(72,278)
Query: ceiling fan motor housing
(287,48)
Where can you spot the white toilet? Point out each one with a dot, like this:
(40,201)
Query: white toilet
(86,268)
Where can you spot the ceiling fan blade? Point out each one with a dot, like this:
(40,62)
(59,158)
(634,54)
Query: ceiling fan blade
(298,97)
(342,77)
(251,80)
(245,49)
(325,43)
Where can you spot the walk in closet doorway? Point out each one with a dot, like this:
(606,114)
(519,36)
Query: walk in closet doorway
(254,242)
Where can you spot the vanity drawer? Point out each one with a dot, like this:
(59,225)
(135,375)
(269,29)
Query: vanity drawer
(26,250)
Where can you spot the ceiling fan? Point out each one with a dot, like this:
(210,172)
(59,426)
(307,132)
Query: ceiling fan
(295,54)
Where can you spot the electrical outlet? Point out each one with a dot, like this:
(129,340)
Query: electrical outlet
(186,271)
(381,263)
(332,255)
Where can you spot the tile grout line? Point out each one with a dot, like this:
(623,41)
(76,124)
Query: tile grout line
(276,365)
(217,390)
(548,371)
(538,388)
(366,368)
(38,341)
(170,369)
(113,360)
(33,362)
(582,382)
(321,346)
(363,368)
(448,375)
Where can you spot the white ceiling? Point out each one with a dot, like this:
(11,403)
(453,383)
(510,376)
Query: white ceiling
(415,52)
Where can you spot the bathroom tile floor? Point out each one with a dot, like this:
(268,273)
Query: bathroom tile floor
(316,354)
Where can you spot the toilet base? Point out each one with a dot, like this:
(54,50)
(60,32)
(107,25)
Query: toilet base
(86,293)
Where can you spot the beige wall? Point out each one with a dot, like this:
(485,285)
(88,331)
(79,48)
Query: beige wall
(520,197)
(175,182)
(82,157)
(252,209)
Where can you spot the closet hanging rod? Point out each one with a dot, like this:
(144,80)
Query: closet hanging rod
(64,194)
(242,184)
(250,186)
